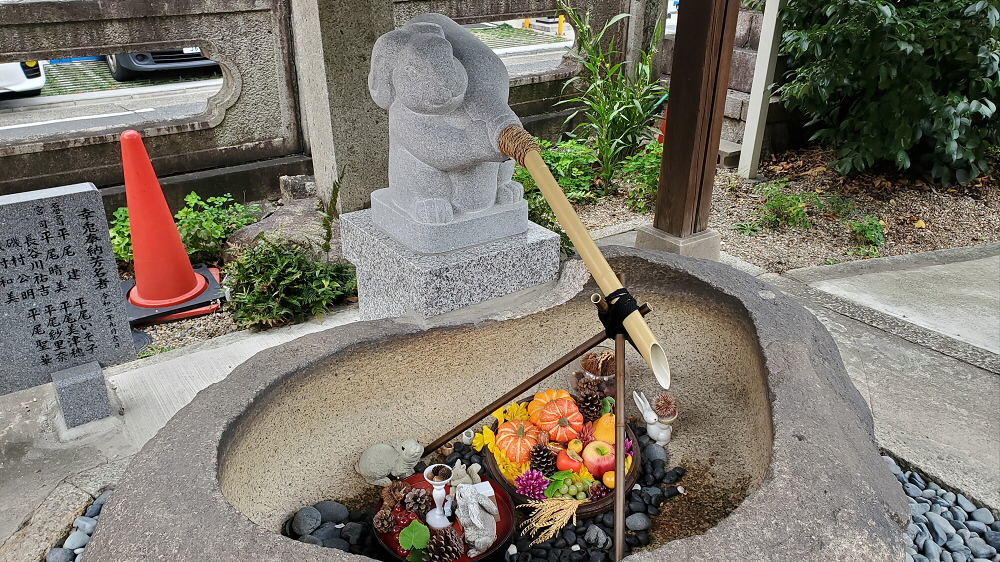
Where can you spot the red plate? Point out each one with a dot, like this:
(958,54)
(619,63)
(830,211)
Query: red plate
(505,526)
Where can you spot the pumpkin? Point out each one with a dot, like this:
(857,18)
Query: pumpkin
(516,438)
(562,419)
(541,399)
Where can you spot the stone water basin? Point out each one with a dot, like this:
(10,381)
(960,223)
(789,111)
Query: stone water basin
(777,442)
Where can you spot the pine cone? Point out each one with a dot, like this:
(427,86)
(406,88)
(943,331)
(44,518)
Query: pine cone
(384,521)
(590,384)
(418,501)
(590,406)
(543,460)
(445,546)
(394,493)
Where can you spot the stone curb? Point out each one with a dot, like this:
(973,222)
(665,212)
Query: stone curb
(893,263)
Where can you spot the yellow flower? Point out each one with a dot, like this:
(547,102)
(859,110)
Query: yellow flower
(628,463)
(485,439)
(510,470)
(585,474)
(518,411)
(499,416)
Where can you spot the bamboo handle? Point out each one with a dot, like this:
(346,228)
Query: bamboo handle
(520,145)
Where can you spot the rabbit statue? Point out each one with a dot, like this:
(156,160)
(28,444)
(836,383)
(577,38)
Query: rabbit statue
(657,430)
(477,513)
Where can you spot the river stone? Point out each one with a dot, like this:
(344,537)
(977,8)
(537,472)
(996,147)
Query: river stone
(940,527)
(85,524)
(983,515)
(76,539)
(306,520)
(180,473)
(60,555)
(980,549)
(932,551)
(332,512)
(654,452)
(638,522)
(964,503)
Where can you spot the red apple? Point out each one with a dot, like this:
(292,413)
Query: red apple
(568,460)
(599,457)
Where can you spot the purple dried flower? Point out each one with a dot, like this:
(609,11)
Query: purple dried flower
(532,484)
(628,447)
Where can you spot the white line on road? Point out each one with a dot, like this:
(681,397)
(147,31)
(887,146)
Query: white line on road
(102,115)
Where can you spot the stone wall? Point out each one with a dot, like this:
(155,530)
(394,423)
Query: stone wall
(253,117)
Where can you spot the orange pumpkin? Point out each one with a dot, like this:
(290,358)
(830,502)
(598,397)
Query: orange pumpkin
(541,399)
(562,419)
(516,438)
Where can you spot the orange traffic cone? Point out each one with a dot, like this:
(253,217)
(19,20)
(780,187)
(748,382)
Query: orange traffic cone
(163,273)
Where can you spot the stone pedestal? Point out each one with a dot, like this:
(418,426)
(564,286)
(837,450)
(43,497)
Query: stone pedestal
(395,281)
(705,244)
(82,394)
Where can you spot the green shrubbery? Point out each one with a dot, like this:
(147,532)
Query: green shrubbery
(204,225)
(278,282)
(640,174)
(618,107)
(909,82)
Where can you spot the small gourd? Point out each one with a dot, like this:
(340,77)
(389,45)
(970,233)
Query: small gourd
(604,428)
(516,439)
(541,399)
(562,419)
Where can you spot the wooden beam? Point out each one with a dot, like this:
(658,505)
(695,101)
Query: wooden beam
(699,78)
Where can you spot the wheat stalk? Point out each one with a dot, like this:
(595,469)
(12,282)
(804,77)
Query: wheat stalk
(549,517)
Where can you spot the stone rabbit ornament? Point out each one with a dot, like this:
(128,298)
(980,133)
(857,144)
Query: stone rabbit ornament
(381,460)
(659,430)
(477,513)
(446,93)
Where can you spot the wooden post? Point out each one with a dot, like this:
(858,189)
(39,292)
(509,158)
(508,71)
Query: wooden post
(699,77)
(760,91)
(620,490)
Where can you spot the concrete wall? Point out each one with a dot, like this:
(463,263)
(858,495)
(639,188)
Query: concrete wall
(253,117)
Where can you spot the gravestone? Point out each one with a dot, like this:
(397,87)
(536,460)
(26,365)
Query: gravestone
(60,303)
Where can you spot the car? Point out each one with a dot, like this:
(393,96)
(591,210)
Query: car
(25,78)
(129,66)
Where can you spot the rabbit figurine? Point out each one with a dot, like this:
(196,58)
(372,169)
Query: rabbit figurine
(477,513)
(657,430)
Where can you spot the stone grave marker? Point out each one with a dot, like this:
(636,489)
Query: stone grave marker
(60,302)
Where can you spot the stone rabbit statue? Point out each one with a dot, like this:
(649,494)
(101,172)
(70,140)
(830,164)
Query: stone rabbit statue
(657,430)
(446,93)
(477,513)
(381,460)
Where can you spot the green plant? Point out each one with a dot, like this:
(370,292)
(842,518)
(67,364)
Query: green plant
(864,251)
(783,208)
(204,226)
(277,282)
(870,231)
(747,228)
(121,235)
(573,165)
(641,175)
(909,82)
(617,106)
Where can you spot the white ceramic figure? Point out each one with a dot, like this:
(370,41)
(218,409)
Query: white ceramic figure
(658,430)
(460,474)
(437,518)
(381,460)
(477,513)
(446,93)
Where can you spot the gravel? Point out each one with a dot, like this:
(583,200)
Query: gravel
(945,525)
(951,217)
(190,330)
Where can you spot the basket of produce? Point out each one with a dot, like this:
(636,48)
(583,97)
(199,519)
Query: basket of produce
(403,528)
(555,445)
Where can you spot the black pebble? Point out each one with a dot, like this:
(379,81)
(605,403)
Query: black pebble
(635,496)
(523,557)
(659,464)
(460,447)
(523,544)
(539,552)
(659,474)
(670,492)
(420,467)
(648,480)
(608,519)
(569,536)
(577,555)
(643,537)
(637,507)
(560,543)
(631,540)
(598,556)
(476,459)
(286,529)
(309,539)
(356,515)
(652,510)
(450,459)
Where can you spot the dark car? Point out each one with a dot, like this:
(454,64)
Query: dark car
(129,66)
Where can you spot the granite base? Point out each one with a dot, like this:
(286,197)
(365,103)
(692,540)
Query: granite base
(82,394)
(395,281)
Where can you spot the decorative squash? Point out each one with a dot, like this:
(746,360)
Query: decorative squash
(562,419)
(516,438)
(541,399)
(604,428)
